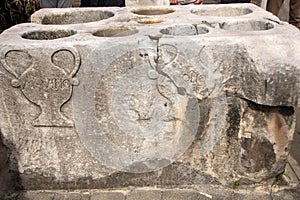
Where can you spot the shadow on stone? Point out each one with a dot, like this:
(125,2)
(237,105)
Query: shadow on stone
(9,179)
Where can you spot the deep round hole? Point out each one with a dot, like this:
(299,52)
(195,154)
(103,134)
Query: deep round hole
(74,17)
(149,20)
(202,30)
(247,26)
(47,34)
(115,32)
(222,11)
(184,30)
(153,11)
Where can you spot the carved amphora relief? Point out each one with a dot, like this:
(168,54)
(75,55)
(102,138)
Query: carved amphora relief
(45,80)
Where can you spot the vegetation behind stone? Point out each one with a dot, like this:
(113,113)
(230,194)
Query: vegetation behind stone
(13,12)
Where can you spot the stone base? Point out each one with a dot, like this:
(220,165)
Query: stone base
(202,192)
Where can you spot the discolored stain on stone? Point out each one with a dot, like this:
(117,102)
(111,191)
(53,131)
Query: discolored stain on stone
(257,154)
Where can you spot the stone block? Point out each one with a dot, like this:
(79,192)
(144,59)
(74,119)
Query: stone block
(72,196)
(36,195)
(144,194)
(183,194)
(109,195)
(170,96)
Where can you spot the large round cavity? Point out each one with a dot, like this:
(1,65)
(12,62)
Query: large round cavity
(75,17)
(115,32)
(153,11)
(184,30)
(221,11)
(146,20)
(48,34)
(247,26)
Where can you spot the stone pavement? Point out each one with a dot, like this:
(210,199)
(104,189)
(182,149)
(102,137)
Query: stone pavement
(204,192)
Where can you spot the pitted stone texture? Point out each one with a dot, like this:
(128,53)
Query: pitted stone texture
(148,96)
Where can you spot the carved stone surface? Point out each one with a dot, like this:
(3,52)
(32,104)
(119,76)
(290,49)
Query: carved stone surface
(148,96)
(47,83)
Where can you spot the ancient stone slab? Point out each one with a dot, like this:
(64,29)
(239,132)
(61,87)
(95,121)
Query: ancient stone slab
(183,194)
(112,195)
(146,96)
(144,194)
(72,196)
(206,192)
(33,195)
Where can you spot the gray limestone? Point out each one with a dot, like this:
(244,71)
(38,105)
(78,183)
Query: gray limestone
(134,97)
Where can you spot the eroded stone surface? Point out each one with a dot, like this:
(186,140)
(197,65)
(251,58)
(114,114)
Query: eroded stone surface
(167,96)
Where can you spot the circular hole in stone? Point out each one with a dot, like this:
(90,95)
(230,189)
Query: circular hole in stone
(184,30)
(75,17)
(149,20)
(115,32)
(202,30)
(48,34)
(247,26)
(153,11)
(222,11)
